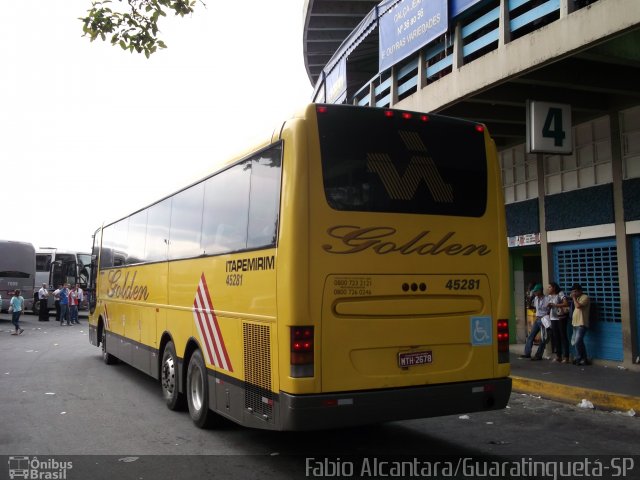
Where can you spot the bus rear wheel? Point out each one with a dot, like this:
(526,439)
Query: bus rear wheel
(198,393)
(106,356)
(169,378)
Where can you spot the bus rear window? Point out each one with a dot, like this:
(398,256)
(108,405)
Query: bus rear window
(14,275)
(372,162)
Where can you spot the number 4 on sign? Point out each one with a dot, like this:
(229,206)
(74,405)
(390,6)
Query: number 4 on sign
(549,128)
(554,116)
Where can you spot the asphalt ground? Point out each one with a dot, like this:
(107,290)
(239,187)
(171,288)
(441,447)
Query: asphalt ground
(60,402)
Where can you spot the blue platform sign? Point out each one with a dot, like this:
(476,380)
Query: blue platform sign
(459,6)
(408,26)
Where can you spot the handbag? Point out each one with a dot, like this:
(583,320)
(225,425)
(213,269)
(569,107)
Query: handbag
(546,321)
(562,312)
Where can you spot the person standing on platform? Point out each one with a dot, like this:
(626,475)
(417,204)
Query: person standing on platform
(56,298)
(16,304)
(580,322)
(559,315)
(43,298)
(541,304)
(64,305)
(80,293)
(73,305)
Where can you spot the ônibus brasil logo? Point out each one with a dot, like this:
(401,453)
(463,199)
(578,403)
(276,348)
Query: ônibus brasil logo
(36,469)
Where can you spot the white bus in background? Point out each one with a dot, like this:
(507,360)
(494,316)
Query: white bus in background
(17,272)
(55,266)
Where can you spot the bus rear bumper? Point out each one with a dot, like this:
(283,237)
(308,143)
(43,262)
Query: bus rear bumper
(315,412)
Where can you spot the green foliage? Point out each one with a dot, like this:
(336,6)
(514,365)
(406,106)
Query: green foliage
(135,28)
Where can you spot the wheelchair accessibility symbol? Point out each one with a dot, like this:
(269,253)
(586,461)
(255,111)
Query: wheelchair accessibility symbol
(481,331)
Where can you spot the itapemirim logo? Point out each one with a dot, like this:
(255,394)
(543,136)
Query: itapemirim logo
(36,469)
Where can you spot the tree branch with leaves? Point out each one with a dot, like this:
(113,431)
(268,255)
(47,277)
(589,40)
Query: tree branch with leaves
(135,25)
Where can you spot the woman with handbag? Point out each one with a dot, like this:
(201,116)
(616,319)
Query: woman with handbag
(559,315)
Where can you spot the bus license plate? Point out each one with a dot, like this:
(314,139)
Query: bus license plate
(409,359)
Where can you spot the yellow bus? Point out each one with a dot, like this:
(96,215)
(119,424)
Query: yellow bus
(352,269)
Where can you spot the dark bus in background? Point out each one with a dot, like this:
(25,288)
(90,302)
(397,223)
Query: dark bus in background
(17,272)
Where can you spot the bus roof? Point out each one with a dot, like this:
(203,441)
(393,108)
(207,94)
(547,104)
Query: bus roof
(17,243)
(60,250)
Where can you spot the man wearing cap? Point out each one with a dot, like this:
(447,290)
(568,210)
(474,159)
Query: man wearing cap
(43,295)
(541,304)
(580,322)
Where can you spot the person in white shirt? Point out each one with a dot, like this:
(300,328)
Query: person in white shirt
(80,295)
(541,304)
(56,297)
(43,297)
(559,314)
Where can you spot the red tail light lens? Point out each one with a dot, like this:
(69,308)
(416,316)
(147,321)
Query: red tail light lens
(503,341)
(301,358)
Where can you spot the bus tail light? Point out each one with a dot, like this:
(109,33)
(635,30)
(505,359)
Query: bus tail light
(503,341)
(302,352)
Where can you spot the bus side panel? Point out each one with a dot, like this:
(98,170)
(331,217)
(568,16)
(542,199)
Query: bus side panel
(149,291)
(227,305)
(182,285)
(294,305)
(111,310)
(502,294)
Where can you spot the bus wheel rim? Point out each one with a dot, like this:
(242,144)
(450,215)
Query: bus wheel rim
(197,389)
(168,376)
(104,343)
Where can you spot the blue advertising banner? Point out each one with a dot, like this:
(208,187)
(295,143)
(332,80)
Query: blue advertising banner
(408,26)
(459,6)
(336,83)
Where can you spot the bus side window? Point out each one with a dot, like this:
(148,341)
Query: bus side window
(264,202)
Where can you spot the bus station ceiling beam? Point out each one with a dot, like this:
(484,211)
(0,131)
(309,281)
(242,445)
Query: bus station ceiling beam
(489,113)
(516,95)
(326,24)
(587,76)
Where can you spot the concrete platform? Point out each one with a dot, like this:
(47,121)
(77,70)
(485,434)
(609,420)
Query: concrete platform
(607,385)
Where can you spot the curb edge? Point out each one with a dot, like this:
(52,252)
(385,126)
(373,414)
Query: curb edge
(568,393)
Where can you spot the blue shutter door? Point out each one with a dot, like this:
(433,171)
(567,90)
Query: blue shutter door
(594,265)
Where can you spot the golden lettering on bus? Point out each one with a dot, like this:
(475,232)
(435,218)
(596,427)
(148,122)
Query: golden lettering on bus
(383,240)
(126,288)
